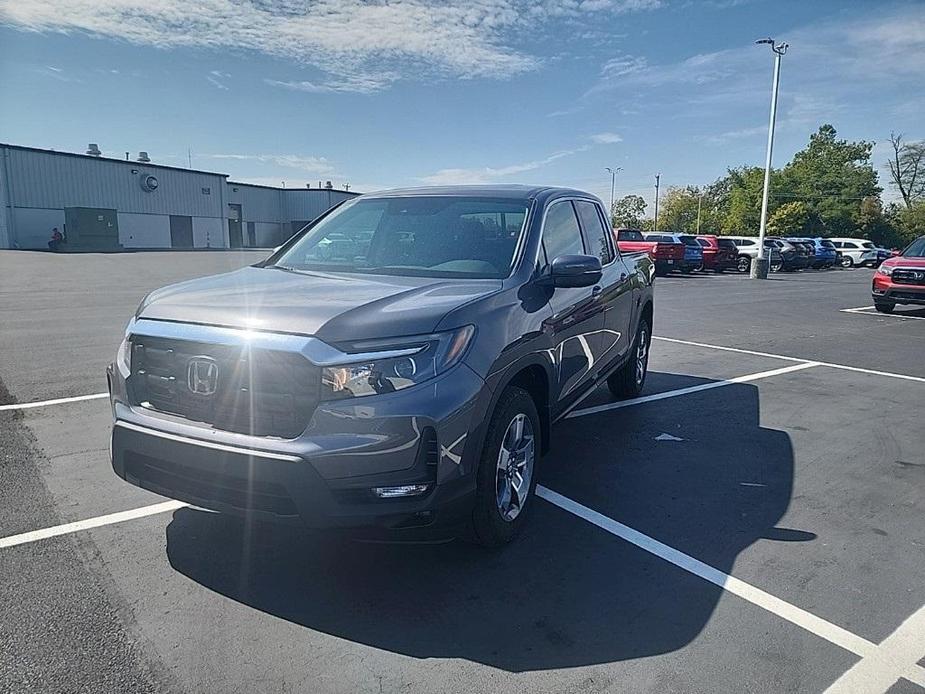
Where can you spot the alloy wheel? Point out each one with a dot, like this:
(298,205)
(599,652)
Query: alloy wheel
(515,467)
(642,356)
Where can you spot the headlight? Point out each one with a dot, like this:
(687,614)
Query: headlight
(124,356)
(884,271)
(124,353)
(422,358)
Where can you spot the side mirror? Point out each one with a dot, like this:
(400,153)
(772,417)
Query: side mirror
(574,271)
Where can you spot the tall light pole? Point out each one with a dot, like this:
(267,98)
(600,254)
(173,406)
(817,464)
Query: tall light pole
(699,203)
(759,269)
(613,179)
(658,177)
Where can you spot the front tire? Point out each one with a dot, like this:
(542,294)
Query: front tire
(628,381)
(884,306)
(506,478)
(744,263)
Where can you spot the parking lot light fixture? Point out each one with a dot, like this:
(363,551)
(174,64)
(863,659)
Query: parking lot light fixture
(759,269)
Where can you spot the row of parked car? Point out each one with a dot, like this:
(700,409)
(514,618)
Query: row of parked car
(692,253)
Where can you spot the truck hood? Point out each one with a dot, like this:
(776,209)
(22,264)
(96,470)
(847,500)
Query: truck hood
(334,307)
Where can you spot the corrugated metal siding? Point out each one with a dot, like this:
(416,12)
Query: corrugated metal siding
(309,203)
(53,181)
(257,204)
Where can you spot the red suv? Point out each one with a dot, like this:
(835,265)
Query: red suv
(901,278)
(719,254)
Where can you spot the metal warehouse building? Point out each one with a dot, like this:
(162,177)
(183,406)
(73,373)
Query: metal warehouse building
(100,203)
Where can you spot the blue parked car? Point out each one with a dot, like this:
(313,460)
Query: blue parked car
(693,251)
(826,255)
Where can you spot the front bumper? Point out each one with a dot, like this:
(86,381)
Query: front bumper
(325,477)
(884,290)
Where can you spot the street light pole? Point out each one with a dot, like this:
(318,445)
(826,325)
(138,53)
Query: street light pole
(699,203)
(613,178)
(658,177)
(759,268)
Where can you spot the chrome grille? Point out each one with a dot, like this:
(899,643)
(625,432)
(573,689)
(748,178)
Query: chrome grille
(261,392)
(904,276)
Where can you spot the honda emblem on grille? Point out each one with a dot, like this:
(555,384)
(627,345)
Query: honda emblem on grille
(202,375)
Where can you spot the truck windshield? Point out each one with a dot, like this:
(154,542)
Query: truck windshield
(432,236)
(916,249)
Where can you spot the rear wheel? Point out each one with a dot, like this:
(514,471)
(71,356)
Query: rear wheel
(776,265)
(506,477)
(884,306)
(629,380)
(744,263)
(847,261)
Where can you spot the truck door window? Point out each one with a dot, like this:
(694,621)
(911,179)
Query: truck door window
(596,236)
(561,233)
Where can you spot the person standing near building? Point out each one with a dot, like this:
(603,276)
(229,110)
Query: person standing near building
(56,239)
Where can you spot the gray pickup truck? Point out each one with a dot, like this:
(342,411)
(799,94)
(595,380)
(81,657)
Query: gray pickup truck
(394,369)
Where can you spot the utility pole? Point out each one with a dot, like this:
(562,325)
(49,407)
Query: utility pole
(658,177)
(699,203)
(759,270)
(613,178)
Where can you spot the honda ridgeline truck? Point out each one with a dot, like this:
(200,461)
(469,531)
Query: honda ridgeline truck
(393,369)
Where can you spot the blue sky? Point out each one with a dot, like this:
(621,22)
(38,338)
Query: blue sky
(410,93)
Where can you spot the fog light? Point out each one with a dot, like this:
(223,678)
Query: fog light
(403,490)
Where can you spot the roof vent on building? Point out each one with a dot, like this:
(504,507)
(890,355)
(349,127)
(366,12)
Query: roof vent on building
(93,149)
(144,158)
(328,185)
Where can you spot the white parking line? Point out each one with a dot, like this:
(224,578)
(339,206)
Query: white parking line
(866,311)
(99,521)
(691,389)
(900,665)
(56,401)
(831,365)
(895,657)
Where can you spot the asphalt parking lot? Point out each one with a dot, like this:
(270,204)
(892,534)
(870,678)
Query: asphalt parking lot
(753,522)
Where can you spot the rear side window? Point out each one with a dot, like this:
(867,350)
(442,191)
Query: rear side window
(826,244)
(561,233)
(726,243)
(745,242)
(595,233)
(704,243)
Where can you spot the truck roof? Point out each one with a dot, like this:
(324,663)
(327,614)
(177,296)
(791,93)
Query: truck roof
(524,192)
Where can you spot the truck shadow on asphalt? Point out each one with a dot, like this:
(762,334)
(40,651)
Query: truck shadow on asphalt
(566,593)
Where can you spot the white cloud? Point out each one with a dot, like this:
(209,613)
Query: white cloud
(360,46)
(217,77)
(489,174)
(606,138)
(314,165)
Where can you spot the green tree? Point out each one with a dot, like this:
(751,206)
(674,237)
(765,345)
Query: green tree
(743,206)
(627,212)
(909,223)
(791,219)
(678,210)
(832,177)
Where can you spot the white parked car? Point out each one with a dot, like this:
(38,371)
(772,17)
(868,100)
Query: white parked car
(854,252)
(748,250)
